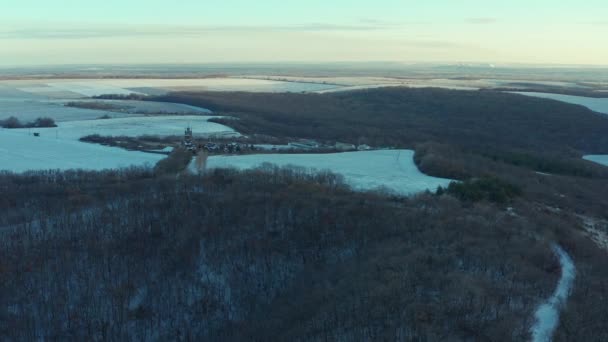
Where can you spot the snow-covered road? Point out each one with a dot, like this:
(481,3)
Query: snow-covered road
(547,315)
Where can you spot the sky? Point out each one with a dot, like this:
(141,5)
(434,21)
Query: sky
(45,32)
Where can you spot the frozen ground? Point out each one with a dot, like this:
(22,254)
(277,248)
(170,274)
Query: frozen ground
(21,152)
(133,126)
(598,158)
(599,105)
(392,169)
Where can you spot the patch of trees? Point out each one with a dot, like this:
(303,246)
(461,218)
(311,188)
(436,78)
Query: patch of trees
(176,162)
(489,189)
(141,143)
(13,122)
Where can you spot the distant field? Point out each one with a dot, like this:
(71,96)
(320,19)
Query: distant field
(75,88)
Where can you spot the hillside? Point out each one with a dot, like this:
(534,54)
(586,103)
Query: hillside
(278,255)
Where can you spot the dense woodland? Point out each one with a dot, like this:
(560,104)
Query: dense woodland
(281,254)
(403,117)
(274,254)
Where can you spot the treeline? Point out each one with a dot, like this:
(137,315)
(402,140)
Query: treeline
(13,122)
(96,105)
(131,96)
(267,254)
(483,189)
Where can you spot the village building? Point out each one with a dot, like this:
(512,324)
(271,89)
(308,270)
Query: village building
(188,142)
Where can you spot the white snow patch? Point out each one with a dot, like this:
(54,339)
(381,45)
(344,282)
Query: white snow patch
(599,105)
(366,170)
(547,315)
(598,158)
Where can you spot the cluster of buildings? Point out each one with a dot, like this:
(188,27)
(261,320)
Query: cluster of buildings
(237,148)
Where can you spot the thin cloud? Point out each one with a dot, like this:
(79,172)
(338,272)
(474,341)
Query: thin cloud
(80,33)
(481,20)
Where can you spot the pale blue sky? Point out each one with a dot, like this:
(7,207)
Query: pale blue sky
(192,31)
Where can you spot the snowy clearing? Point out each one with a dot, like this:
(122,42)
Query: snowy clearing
(599,105)
(20,152)
(390,169)
(598,158)
(133,127)
(547,315)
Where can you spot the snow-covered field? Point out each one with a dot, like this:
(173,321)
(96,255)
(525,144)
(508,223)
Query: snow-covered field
(599,105)
(547,315)
(21,152)
(79,88)
(392,169)
(133,126)
(148,107)
(598,158)
(30,109)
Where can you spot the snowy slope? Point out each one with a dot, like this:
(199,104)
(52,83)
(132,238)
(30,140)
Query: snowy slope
(599,105)
(368,170)
(21,152)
